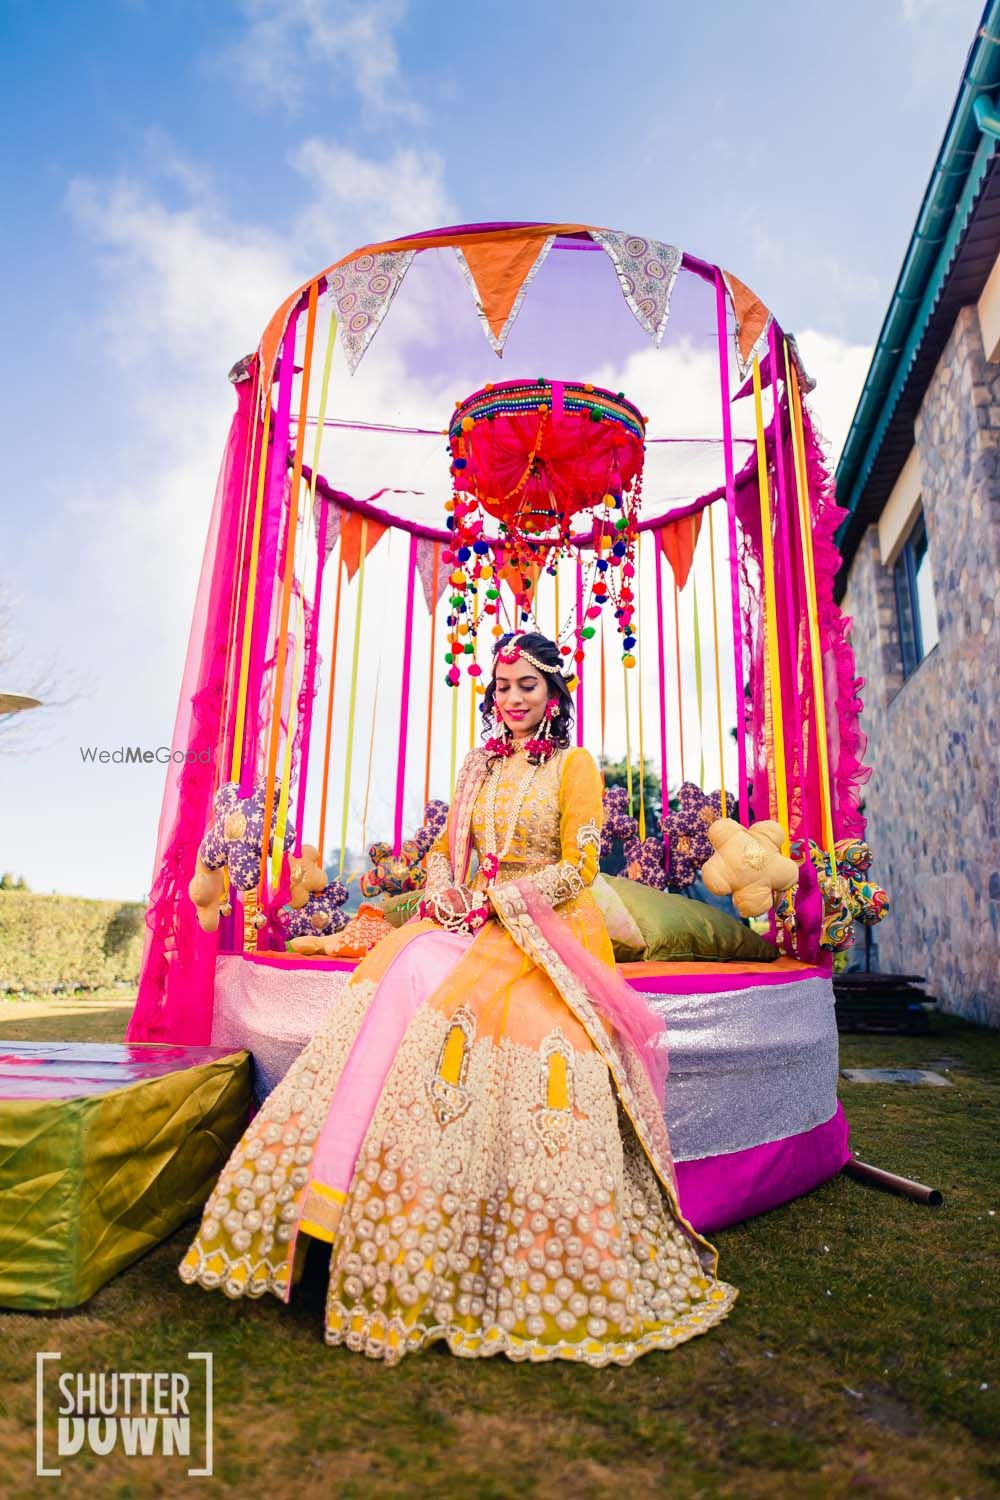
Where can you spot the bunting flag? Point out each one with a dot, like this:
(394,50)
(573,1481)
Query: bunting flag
(678,540)
(352,527)
(433,586)
(646,270)
(361,292)
(752,322)
(499,273)
(329,512)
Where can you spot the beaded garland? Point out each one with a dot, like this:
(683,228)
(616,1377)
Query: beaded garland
(533,536)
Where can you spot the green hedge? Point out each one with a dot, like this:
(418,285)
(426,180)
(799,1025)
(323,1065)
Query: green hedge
(53,943)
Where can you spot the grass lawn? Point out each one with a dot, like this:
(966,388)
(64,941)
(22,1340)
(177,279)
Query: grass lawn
(860,1359)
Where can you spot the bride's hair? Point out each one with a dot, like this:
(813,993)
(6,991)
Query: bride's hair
(546,652)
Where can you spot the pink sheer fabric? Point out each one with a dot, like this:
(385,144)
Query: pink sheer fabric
(174,1003)
(622,1007)
(410,980)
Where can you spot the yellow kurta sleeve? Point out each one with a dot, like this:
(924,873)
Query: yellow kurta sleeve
(581,815)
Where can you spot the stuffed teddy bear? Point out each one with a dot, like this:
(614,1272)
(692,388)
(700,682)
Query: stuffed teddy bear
(687,830)
(233,841)
(748,864)
(643,857)
(392,875)
(314,904)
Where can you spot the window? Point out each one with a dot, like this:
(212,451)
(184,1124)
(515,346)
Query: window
(918,627)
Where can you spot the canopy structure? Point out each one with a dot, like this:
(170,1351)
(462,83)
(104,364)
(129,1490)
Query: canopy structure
(340,641)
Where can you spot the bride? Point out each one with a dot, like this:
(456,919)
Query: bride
(476,1128)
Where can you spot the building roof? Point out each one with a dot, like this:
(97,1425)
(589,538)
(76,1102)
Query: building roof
(951,252)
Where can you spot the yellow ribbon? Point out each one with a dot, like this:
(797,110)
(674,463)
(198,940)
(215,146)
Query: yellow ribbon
(718,672)
(628,744)
(770,613)
(812,608)
(698,695)
(241,696)
(642,752)
(284,794)
(353,696)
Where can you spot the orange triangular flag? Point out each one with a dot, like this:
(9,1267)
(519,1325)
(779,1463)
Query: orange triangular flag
(350,539)
(752,318)
(679,539)
(499,273)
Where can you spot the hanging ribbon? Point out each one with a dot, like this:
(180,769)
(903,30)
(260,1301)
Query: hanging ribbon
(628,745)
(248,614)
(796,772)
(236,619)
(274,500)
(286,590)
(404,697)
(321,843)
(579,650)
(285,786)
(353,695)
(454,741)
(718,670)
(698,696)
(808,568)
(321,554)
(371,754)
(680,694)
(734,575)
(430,670)
(604,690)
(662,664)
(777,746)
(642,749)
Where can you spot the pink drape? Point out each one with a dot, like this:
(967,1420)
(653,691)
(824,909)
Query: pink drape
(174,1002)
(615,1001)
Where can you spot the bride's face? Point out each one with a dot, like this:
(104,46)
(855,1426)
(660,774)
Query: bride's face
(521,696)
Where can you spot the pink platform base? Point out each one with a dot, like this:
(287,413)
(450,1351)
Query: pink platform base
(719,1190)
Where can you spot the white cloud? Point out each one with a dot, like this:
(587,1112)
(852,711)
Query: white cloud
(839,369)
(355,199)
(287,41)
(189,290)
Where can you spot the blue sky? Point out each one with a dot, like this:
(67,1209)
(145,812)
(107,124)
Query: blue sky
(171,171)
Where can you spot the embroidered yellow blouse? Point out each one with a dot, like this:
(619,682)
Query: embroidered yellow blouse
(543,821)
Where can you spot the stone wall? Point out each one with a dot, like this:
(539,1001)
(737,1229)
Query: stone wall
(933,802)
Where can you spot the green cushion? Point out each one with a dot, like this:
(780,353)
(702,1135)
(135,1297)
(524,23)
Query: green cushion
(680,929)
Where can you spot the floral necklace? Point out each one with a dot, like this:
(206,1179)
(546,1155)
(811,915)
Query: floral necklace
(492,859)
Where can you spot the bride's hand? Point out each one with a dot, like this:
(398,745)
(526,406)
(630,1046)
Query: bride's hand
(458,899)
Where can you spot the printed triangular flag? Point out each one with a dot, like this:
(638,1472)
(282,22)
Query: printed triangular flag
(433,572)
(647,270)
(362,291)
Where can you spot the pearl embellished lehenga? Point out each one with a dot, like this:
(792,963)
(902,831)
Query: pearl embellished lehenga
(470,1130)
